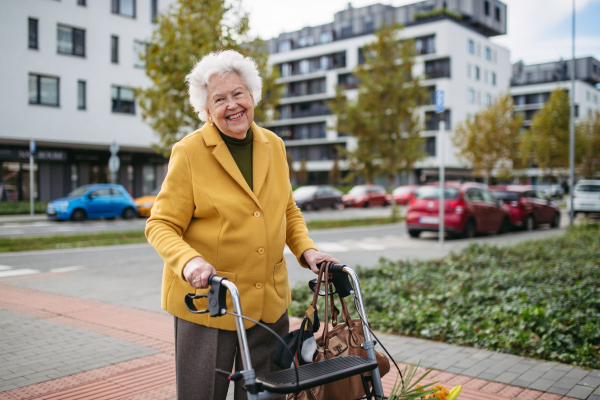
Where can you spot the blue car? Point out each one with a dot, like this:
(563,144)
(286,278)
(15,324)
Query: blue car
(93,201)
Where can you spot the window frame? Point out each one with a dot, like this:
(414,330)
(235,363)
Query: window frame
(29,32)
(139,62)
(117,109)
(154,11)
(115,8)
(39,91)
(82,3)
(73,29)
(114,49)
(471,46)
(81,87)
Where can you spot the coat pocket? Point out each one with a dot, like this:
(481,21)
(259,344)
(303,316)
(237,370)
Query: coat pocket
(280,279)
(202,304)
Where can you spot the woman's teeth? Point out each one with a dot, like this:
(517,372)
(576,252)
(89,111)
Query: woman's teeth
(236,116)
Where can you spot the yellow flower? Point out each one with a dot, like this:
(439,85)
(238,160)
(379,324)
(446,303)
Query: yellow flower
(440,393)
(454,393)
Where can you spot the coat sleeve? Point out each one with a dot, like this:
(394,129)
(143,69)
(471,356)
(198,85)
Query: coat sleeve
(296,231)
(172,212)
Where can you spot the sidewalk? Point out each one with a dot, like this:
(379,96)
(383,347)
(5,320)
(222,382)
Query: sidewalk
(59,347)
(5,219)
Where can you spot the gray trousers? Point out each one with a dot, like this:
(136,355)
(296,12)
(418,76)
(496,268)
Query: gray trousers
(199,350)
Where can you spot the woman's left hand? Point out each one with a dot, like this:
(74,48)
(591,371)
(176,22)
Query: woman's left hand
(314,257)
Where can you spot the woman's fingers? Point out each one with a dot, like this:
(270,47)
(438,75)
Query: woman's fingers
(197,271)
(314,257)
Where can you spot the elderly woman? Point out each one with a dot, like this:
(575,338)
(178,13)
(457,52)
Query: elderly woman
(226,207)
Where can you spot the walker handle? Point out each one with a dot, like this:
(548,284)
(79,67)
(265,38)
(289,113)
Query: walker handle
(217,296)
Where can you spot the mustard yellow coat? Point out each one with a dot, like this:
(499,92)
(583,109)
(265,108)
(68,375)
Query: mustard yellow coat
(205,208)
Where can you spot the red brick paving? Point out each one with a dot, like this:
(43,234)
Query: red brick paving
(153,377)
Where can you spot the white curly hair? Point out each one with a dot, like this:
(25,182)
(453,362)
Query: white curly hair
(221,62)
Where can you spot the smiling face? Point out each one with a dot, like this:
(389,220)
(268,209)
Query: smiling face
(230,104)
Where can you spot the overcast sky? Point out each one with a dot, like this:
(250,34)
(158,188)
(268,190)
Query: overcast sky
(538,30)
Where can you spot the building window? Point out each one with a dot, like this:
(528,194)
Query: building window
(286,70)
(437,68)
(154,11)
(471,46)
(305,41)
(425,45)
(432,120)
(468,70)
(43,90)
(430,146)
(497,9)
(477,73)
(81,2)
(74,177)
(284,45)
(346,31)
(70,41)
(488,99)
(33,33)
(304,66)
(326,37)
(149,179)
(493,79)
(348,81)
(123,7)
(81,95)
(123,100)
(114,49)
(471,96)
(486,7)
(431,94)
(488,54)
(139,54)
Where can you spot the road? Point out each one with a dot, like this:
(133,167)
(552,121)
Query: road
(130,275)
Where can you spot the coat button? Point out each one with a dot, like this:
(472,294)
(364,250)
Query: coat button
(261,250)
(258,285)
(257,214)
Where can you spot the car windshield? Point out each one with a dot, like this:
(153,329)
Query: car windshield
(305,191)
(588,188)
(80,191)
(155,191)
(433,192)
(505,196)
(402,190)
(358,190)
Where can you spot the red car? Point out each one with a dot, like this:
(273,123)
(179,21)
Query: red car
(365,196)
(402,194)
(528,206)
(468,209)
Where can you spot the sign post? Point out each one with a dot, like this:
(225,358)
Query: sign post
(31,172)
(113,162)
(439,109)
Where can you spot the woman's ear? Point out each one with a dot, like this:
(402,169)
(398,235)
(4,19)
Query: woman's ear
(209,117)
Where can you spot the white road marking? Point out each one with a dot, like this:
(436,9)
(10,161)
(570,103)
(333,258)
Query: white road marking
(66,269)
(4,267)
(370,246)
(18,272)
(331,247)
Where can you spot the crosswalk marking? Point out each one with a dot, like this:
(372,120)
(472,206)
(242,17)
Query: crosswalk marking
(3,267)
(18,272)
(370,246)
(66,269)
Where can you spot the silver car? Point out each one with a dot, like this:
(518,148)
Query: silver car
(586,197)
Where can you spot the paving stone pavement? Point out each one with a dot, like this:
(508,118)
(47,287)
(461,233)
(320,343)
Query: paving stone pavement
(127,354)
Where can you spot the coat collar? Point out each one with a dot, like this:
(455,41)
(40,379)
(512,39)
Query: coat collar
(261,158)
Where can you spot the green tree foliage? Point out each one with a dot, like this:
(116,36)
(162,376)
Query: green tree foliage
(588,133)
(489,140)
(384,117)
(189,30)
(547,142)
(302,173)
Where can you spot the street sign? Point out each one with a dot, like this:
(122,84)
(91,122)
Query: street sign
(114,148)
(439,101)
(32,146)
(114,164)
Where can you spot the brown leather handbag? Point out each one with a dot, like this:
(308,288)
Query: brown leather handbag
(344,339)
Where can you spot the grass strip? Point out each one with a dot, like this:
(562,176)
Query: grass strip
(538,299)
(71,241)
(21,207)
(345,223)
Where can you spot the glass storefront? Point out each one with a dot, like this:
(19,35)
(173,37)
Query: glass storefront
(15,181)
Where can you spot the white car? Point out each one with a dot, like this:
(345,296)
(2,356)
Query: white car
(586,197)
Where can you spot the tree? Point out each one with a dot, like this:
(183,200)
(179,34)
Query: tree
(588,146)
(384,116)
(302,173)
(335,175)
(489,140)
(547,141)
(292,171)
(189,30)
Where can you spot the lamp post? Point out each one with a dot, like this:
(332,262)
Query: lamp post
(572,128)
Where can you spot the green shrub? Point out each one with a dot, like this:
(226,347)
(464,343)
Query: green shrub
(537,299)
(21,207)
(437,12)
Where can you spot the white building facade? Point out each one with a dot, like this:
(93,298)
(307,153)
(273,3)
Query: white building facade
(454,55)
(69,70)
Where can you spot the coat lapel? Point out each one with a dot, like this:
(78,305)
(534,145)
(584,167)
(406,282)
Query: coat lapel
(261,158)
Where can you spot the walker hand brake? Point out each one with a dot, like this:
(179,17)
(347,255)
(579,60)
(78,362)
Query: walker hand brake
(217,296)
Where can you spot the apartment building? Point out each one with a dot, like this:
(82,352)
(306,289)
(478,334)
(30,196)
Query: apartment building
(68,72)
(454,54)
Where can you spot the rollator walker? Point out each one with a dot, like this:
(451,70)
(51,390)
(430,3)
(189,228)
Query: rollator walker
(293,380)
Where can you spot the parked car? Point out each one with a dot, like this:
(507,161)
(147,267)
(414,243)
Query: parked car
(365,196)
(586,197)
(144,204)
(529,207)
(93,201)
(402,194)
(315,197)
(469,208)
(552,191)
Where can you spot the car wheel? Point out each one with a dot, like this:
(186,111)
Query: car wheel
(308,207)
(78,215)
(505,227)
(366,204)
(129,213)
(470,229)
(338,205)
(555,221)
(414,233)
(529,223)
(385,203)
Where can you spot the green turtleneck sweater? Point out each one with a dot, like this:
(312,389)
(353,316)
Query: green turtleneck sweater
(241,151)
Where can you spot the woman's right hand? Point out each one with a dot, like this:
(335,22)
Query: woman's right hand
(197,271)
